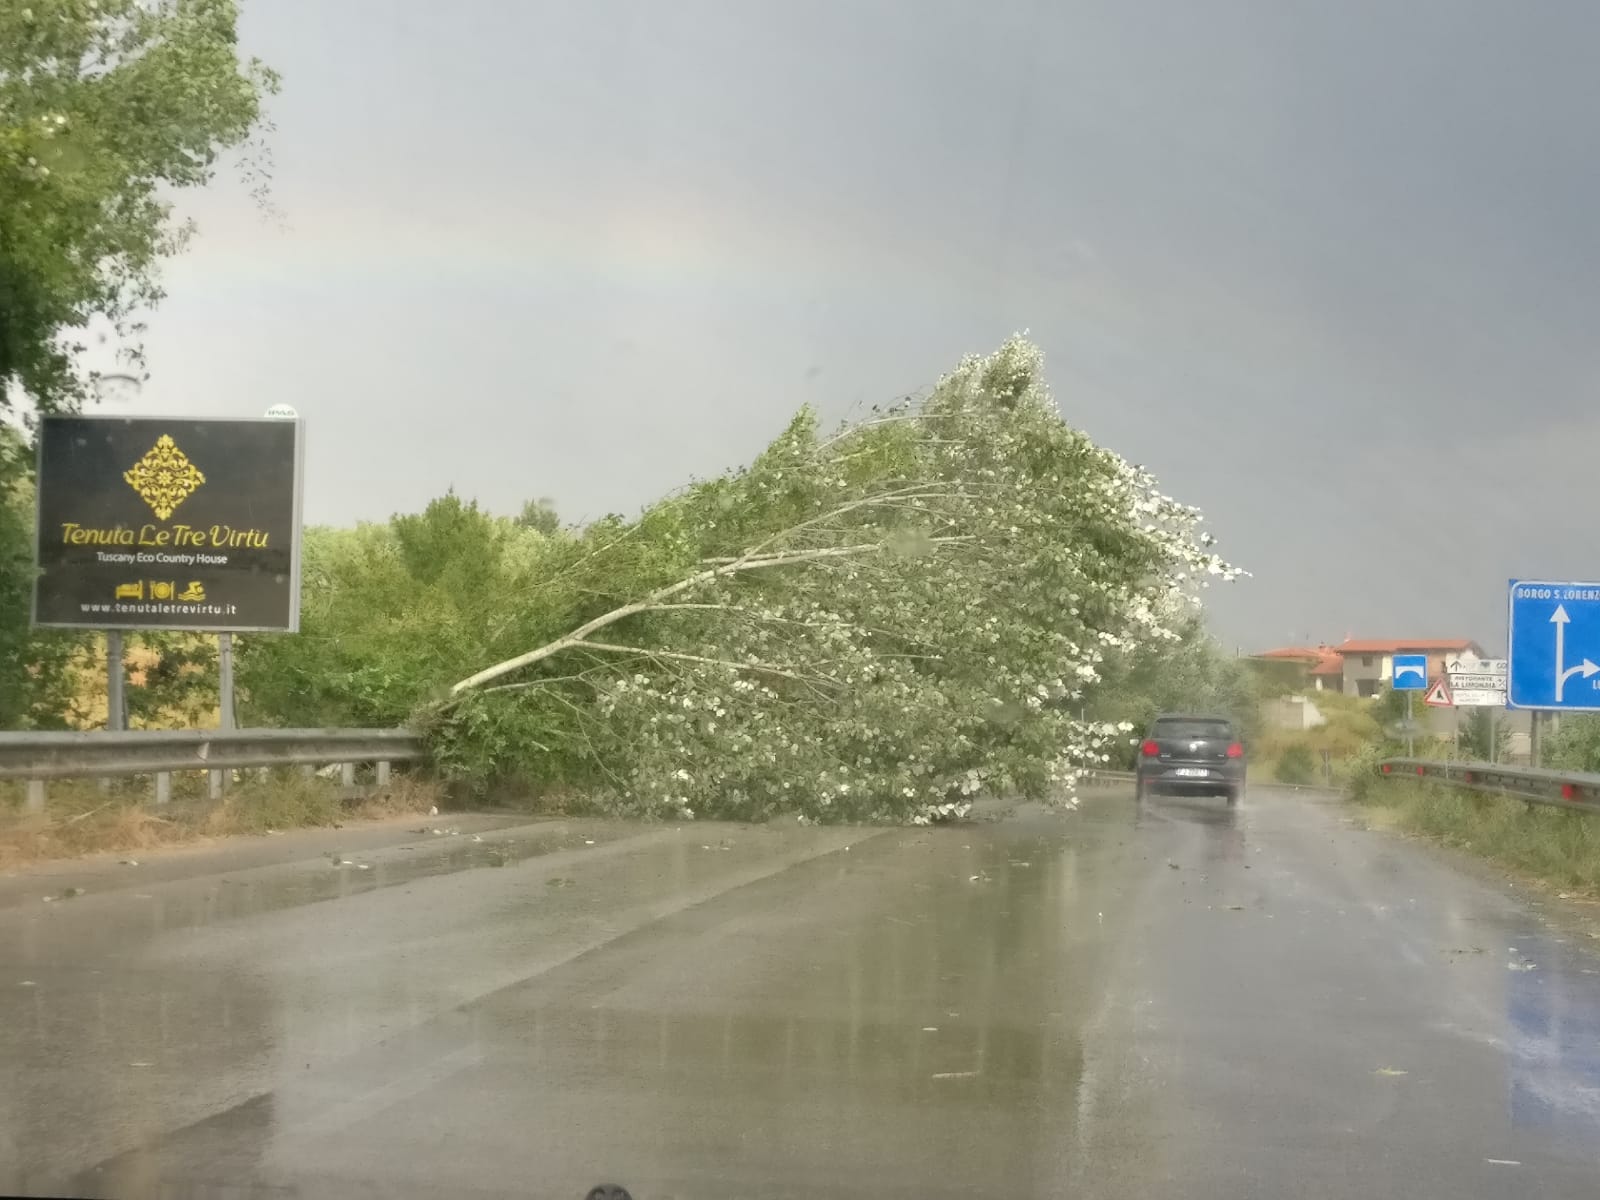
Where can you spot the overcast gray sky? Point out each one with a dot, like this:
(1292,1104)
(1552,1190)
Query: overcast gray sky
(1329,269)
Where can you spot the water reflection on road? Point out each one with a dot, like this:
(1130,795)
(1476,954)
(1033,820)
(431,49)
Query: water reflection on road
(1123,1001)
(1553,1017)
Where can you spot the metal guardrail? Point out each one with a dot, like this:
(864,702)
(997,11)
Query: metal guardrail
(37,757)
(1106,777)
(1536,785)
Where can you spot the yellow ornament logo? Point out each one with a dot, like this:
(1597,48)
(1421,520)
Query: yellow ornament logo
(164,478)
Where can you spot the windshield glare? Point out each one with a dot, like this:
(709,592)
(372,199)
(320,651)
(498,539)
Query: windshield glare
(799,598)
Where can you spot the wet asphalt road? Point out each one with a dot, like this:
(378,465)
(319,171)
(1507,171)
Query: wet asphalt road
(1186,1002)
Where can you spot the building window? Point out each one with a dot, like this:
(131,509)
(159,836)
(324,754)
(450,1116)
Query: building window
(1366,688)
(1366,660)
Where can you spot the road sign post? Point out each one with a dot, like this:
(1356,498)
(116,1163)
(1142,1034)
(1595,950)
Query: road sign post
(1553,639)
(1410,674)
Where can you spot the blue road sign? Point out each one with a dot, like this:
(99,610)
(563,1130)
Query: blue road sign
(1410,672)
(1553,634)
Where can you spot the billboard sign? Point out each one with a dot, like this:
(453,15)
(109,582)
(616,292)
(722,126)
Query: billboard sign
(169,523)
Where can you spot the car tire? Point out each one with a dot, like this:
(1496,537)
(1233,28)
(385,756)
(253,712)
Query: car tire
(1140,792)
(1235,794)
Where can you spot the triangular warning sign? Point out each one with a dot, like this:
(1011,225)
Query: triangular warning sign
(1439,693)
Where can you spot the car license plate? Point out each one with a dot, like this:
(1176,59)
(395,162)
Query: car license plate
(1191,772)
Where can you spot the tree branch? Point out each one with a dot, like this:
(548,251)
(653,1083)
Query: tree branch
(763,668)
(751,561)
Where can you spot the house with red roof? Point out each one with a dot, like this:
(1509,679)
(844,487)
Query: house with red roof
(1368,663)
(1356,666)
(1302,668)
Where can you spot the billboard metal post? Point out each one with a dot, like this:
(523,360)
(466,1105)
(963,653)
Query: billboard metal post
(225,679)
(116,675)
(225,697)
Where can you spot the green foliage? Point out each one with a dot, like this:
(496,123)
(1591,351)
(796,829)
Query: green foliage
(1560,847)
(540,514)
(1476,736)
(1363,779)
(1389,708)
(1575,747)
(175,683)
(105,109)
(36,675)
(872,624)
(389,613)
(1296,765)
(875,623)
(1279,677)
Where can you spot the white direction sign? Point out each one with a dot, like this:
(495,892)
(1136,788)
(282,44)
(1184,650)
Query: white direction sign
(1465,664)
(1477,682)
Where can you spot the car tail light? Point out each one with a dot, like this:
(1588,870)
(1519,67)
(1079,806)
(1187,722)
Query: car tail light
(1236,751)
(1150,749)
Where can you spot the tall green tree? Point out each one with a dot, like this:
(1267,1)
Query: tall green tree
(36,678)
(106,108)
(388,614)
(540,514)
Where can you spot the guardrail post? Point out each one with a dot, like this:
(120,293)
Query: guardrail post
(347,774)
(383,773)
(36,795)
(214,785)
(163,787)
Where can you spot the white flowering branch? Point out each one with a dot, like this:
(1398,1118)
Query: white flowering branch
(749,563)
(963,573)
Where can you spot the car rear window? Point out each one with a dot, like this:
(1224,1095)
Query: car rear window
(1192,728)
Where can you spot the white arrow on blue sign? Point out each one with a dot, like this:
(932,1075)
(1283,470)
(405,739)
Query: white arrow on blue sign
(1553,631)
(1410,672)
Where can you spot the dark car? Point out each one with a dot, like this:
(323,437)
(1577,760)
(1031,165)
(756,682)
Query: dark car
(1191,754)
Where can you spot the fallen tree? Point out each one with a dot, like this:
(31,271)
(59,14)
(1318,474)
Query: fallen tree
(871,624)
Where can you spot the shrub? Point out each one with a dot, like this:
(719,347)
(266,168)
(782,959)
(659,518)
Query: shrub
(1296,765)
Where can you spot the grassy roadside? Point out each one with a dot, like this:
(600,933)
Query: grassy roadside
(80,819)
(1558,849)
